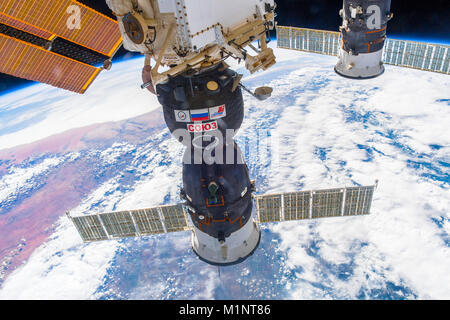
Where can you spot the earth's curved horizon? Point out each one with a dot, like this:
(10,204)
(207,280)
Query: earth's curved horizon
(110,150)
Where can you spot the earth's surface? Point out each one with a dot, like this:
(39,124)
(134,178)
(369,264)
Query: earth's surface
(110,150)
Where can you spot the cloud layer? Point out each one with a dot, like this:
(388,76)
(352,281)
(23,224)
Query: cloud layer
(330,132)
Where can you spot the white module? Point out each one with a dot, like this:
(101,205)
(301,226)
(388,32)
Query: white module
(193,34)
(236,248)
(197,19)
(363,66)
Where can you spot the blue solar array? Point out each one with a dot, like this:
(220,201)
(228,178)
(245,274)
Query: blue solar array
(403,53)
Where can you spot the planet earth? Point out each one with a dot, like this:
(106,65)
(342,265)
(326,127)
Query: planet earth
(109,150)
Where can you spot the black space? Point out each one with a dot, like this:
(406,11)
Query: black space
(418,20)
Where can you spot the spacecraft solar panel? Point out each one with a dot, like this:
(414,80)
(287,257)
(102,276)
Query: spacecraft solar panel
(174,218)
(67,19)
(4,19)
(148,221)
(32,62)
(269,208)
(402,53)
(327,203)
(119,224)
(314,204)
(314,41)
(309,40)
(57,42)
(90,228)
(358,200)
(417,55)
(135,223)
(296,205)
(283,37)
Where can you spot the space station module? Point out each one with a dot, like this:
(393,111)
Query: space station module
(363,35)
(189,35)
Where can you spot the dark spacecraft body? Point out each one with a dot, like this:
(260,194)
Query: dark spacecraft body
(203,102)
(219,201)
(218,195)
(363,34)
(204,109)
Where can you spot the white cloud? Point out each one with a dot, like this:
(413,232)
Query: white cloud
(62,268)
(115,95)
(335,132)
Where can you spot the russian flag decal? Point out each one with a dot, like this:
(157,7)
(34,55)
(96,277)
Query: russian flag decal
(200,115)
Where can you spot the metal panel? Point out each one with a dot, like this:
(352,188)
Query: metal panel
(25,27)
(31,62)
(409,54)
(417,55)
(119,224)
(174,218)
(327,203)
(358,200)
(124,224)
(148,221)
(18,34)
(269,208)
(90,228)
(296,205)
(283,38)
(67,19)
(196,19)
(309,40)
(314,204)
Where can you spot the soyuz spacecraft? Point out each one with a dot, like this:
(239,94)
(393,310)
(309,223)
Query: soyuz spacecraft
(186,45)
(203,108)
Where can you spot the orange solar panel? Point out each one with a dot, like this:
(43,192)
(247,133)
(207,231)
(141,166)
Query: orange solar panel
(67,19)
(24,27)
(24,60)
